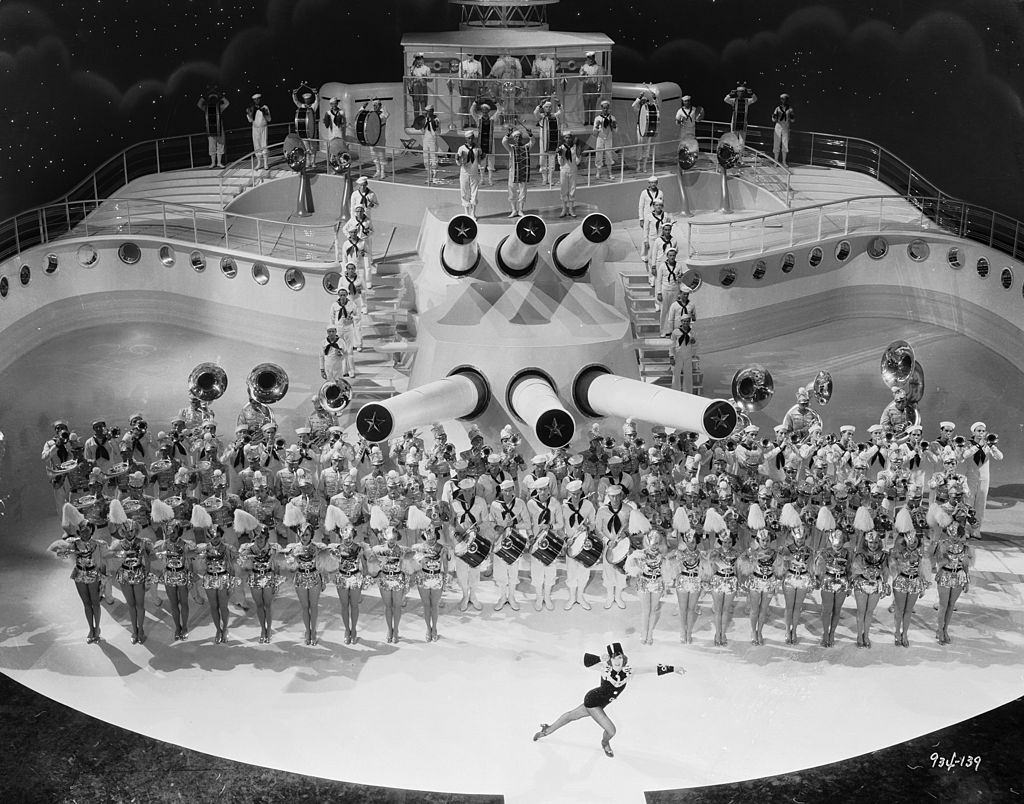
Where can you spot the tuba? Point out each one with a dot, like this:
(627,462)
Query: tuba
(729,150)
(207,382)
(689,153)
(334,397)
(753,387)
(267,383)
(897,365)
(821,387)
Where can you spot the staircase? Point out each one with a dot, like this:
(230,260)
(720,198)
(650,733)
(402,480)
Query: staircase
(652,350)
(199,187)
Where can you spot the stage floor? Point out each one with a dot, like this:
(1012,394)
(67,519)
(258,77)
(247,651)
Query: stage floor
(458,715)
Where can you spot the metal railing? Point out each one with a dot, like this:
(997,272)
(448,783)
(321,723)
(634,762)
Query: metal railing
(281,240)
(952,215)
(141,159)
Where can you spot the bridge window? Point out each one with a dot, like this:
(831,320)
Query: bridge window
(1005,278)
(197,261)
(52,261)
(955,258)
(843,249)
(815,257)
(982,267)
(332,281)
(129,253)
(759,269)
(260,273)
(228,267)
(788,263)
(918,250)
(87,255)
(294,279)
(166,255)
(878,248)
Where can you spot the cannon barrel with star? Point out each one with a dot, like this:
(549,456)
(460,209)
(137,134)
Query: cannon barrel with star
(516,254)
(460,253)
(598,392)
(573,251)
(532,397)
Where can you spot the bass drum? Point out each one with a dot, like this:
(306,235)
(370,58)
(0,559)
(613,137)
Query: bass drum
(369,127)
(620,552)
(474,551)
(586,548)
(647,120)
(510,547)
(548,548)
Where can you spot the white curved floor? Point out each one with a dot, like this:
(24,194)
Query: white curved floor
(458,715)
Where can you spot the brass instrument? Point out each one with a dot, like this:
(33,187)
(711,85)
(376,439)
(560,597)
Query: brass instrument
(753,387)
(689,153)
(992,439)
(267,383)
(207,382)
(729,150)
(897,365)
(821,386)
(915,386)
(334,397)
(959,442)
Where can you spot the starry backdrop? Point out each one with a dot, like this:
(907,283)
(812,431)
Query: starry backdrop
(938,83)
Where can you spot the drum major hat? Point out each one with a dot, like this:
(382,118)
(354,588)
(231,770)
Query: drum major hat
(376,456)
(392,478)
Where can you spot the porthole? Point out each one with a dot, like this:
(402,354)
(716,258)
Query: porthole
(332,281)
(918,250)
(759,269)
(982,267)
(815,257)
(197,261)
(692,279)
(727,276)
(52,261)
(1005,278)
(955,258)
(260,273)
(843,249)
(25,275)
(228,267)
(129,253)
(4,287)
(878,248)
(166,255)
(788,263)
(294,279)
(87,255)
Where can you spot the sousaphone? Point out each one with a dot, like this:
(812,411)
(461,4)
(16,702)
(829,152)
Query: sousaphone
(207,382)
(753,387)
(821,387)
(267,383)
(334,397)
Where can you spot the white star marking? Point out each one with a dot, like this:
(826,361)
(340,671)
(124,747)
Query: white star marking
(462,231)
(373,423)
(554,429)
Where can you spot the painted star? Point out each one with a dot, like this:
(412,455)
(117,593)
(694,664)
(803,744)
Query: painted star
(719,420)
(554,429)
(530,231)
(373,424)
(597,229)
(462,232)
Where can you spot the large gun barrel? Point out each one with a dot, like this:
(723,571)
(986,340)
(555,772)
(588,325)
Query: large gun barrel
(574,250)
(597,392)
(463,394)
(533,399)
(460,253)
(516,254)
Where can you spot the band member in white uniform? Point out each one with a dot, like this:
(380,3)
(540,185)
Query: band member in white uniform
(740,99)
(568,155)
(419,75)
(650,194)
(604,131)
(380,151)
(508,512)
(650,230)
(681,317)
(545,516)
(782,116)
(334,121)
(978,455)
(687,118)
(579,515)
(612,519)
(518,169)
(471,71)
(590,71)
(468,158)
(547,115)
(336,354)
(669,272)
(431,127)
(363,196)
(258,114)
(469,514)
(213,105)
(305,121)
(358,246)
(486,124)
(648,98)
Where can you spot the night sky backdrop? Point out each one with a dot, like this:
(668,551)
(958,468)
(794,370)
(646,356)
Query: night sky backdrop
(938,83)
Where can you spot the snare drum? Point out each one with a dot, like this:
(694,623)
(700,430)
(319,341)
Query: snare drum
(510,547)
(473,551)
(65,467)
(132,507)
(548,548)
(586,548)
(620,552)
(157,467)
(368,127)
(174,501)
(85,502)
(118,470)
(647,120)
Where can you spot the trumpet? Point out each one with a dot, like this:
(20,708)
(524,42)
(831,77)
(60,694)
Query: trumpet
(959,442)
(992,439)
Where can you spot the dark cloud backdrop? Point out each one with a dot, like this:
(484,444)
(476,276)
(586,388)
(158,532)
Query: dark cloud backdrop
(939,83)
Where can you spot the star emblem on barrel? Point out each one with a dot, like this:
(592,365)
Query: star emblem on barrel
(597,228)
(530,230)
(374,422)
(719,419)
(462,229)
(555,428)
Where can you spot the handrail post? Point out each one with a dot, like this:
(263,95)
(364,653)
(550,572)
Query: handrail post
(846,153)
(95,190)
(191,158)
(124,163)
(590,165)
(85,220)
(622,166)
(17,237)
(157,144)
(259,239)
(728,247)
(792,229)
(295,246)
(195,227)
(881,211)
(846,226)
(821,211)
(163,210)
(1016,233)
(128,212)
(67,212)
(992,230)
(812,149)
(762,233)
(910,180)
(225,218)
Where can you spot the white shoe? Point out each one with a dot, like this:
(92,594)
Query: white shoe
(538,604)
(584,604)
(609,603)
(569,604)
(501,602)
(513,603)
